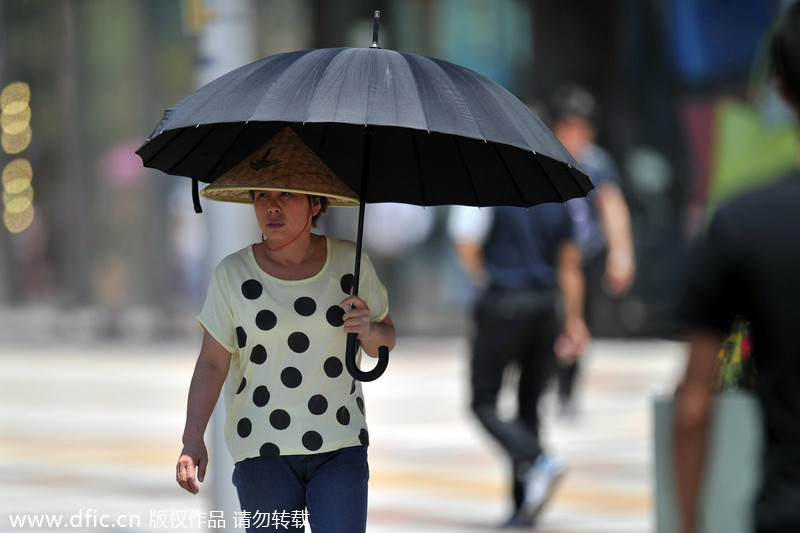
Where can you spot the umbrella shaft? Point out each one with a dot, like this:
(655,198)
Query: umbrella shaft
(352,339)
(357,266)
(362,206)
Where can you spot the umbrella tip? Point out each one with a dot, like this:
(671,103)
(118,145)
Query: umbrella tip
(375,26)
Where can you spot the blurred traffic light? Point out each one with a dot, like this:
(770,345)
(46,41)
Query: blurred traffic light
(17,175)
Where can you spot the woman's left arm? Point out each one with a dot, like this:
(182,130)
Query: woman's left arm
(371,335)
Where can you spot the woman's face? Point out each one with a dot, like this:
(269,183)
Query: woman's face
(283,215)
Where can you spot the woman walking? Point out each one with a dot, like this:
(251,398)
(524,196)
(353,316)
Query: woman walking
(275,322)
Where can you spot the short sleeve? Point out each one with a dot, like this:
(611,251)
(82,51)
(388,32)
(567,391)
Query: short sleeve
(372,291)
(216,317)
(601,167)
(565,226)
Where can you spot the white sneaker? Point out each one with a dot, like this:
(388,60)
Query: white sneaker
(540,482)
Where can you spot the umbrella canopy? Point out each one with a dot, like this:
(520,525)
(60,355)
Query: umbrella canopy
(441,134)
(393,126)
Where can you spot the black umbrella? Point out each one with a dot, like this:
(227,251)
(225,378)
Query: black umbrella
(394,126)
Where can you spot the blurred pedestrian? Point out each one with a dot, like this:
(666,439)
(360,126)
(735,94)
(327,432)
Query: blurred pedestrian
(748,265)
(603,224)
(275,322)
(528,266)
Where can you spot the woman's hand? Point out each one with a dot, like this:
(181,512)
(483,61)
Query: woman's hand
(371,335)
(193,460)
(356,315)
(209,375)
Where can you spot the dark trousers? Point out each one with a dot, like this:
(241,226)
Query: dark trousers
(514,327)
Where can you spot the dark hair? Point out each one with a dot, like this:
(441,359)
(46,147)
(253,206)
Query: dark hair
(786,51)
(574,101)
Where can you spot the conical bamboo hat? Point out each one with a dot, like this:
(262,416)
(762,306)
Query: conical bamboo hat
(284,163)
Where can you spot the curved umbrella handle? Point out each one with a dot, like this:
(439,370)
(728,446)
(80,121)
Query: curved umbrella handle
(352,367)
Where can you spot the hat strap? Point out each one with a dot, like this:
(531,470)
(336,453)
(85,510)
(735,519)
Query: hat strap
(282,246)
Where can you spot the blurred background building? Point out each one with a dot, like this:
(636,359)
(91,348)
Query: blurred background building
(100,245)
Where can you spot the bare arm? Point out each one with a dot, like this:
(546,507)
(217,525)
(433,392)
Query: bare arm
(470,257)
(378,334)
(615,216)
(692,421)
(209,375)
(570,278)
(575,336)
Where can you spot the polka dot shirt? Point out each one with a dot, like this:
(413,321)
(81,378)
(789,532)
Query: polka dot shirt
(287,391)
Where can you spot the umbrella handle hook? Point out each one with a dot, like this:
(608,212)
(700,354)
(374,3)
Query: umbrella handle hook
(352,338)
(352,367)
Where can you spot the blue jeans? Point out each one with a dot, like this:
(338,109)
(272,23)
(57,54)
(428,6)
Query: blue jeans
(332,487)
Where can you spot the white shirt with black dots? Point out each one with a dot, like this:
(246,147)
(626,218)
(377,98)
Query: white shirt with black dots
(287,391)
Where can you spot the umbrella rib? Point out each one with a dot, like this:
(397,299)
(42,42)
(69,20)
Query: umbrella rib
(511,175)
(549,181)
(222,153)
(570,170)
(163,145)
(182,159)
(324,137)
(419,167)
(322,140)
(471,179)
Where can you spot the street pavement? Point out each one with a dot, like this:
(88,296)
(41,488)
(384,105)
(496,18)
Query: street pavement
(90,432)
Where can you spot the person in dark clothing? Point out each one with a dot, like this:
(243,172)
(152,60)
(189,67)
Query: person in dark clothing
(526,260)
(602,221)
(748,265)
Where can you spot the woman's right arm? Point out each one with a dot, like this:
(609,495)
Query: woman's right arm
(209,375)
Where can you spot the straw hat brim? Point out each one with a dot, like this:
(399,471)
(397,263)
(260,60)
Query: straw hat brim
(283,164)
(241,195)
